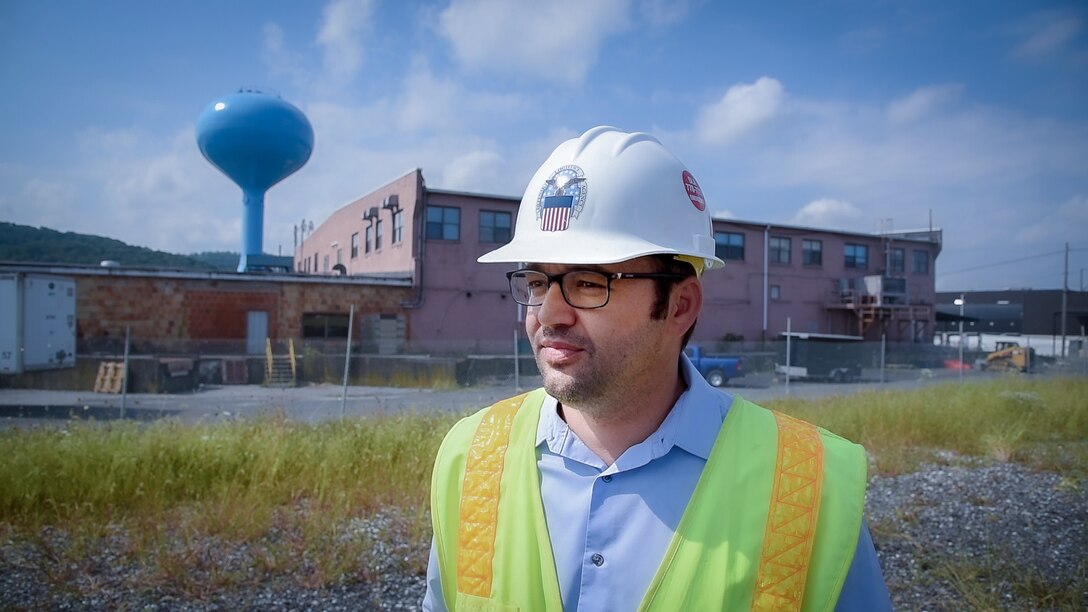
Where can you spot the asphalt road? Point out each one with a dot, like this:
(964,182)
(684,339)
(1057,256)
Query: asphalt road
(315,403)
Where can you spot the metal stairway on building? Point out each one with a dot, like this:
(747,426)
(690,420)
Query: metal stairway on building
(280,370)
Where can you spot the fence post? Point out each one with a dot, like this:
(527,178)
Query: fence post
(347,361)
(124,371)
(788,352)
(883,349)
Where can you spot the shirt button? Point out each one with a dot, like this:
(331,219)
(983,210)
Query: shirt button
(597,559)
(607,478)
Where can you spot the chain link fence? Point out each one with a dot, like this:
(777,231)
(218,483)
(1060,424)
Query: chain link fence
(166,365)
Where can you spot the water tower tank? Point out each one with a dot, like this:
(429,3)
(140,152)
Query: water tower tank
(257,140)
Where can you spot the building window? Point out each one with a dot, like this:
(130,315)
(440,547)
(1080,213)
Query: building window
(780,250)
(326,268)
(896,261)
(339,256)
(729,246)
(812,252)
(857,256)
(776,292)
(369,238)
(921,262)
(320,325)
(377,235)
(494,227)
(355,245)
(398,226)
(443,223)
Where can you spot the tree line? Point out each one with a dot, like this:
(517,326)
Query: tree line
(27,244)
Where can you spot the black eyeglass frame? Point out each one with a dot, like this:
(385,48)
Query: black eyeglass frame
(609,277)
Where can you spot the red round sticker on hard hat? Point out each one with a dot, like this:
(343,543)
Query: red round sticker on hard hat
(695,194)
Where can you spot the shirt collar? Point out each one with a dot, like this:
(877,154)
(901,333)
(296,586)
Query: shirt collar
(692,424)
(698,414)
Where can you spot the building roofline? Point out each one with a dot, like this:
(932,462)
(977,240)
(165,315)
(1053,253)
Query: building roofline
(1010,291)
(372,191)
(473,194)
(823,230)
(89,270)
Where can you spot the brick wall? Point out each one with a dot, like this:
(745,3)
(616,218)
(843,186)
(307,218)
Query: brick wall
(166,308)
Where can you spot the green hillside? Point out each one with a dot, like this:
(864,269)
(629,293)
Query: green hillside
(26,244)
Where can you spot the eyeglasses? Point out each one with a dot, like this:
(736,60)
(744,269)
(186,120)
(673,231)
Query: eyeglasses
(580,288)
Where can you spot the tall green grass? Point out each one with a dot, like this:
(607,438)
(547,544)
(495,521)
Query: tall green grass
(126,469)
(288,490)
(50,475)
(1039,422)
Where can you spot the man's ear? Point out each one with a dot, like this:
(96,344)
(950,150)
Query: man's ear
(686,303)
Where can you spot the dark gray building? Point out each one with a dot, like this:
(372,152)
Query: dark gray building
(1015,311)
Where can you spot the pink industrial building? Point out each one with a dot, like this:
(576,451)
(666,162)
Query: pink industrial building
(820,280)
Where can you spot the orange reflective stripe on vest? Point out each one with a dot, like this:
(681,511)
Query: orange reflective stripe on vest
(787,543)
(480,498)
(791,519)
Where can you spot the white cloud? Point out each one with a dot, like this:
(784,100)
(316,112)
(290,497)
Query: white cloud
(279,59)
(441,103)
(987,176)
(742,109)
(555,41)
(343,23)
(123,139)
(922,102)
(830,213)
(1049,226)
(1046,36)
(130,186)
(473,171)
(146,192)
(164,197)
(662,13)
(39,202)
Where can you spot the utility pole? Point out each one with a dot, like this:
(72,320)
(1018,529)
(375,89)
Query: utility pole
(1065,295)
(960,302)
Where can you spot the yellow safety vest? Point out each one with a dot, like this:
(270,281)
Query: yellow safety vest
(772,524)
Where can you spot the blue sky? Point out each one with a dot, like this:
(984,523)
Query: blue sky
(844,114)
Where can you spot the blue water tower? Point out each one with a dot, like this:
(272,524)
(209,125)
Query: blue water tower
(257,140)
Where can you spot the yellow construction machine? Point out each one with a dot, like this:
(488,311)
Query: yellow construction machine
(1010,356)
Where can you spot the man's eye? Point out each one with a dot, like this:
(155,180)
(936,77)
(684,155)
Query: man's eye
(589,285)
(535,285)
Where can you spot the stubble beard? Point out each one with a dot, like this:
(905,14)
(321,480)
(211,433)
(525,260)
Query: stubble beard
(589,387)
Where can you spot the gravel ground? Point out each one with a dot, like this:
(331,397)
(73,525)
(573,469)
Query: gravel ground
(1000,519)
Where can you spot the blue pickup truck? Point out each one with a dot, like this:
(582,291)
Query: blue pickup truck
(716,369)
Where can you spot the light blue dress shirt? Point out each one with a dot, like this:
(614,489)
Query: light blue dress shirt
(611,524)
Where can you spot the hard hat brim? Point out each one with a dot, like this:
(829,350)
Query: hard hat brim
(583,248)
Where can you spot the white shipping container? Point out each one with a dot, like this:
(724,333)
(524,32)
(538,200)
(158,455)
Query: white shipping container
(37,323)
(10,325)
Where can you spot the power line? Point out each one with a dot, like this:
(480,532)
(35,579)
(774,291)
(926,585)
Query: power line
(1008,262)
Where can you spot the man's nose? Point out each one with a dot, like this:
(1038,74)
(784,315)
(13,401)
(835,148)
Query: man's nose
(555,310)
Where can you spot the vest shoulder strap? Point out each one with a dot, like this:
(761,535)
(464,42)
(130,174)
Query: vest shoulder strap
(479,510)
(791,517)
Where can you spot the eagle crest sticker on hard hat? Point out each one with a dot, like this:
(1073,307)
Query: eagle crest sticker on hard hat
(561,199)
(695,194)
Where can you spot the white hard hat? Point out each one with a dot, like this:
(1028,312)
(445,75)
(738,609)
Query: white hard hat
(606,197)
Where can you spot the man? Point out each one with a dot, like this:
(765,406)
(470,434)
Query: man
(628,482)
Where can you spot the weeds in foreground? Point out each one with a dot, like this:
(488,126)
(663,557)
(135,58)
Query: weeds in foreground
(1042,423)
(279,492)
(270,499)
(992,582)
